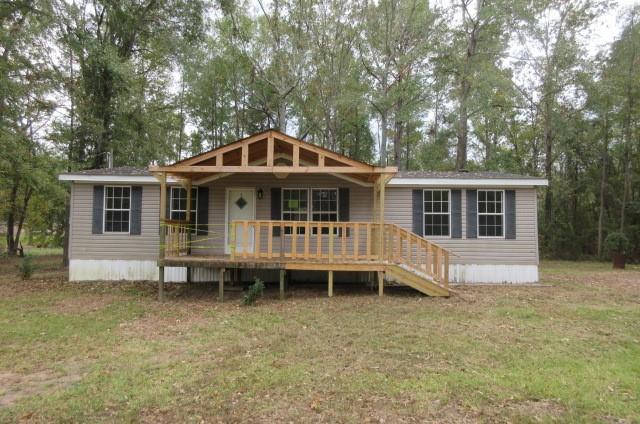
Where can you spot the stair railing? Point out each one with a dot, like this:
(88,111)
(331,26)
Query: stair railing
(407,248)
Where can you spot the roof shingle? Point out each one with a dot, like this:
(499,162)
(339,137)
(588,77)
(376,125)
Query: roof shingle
(464,175)
(471,175)
(119,170)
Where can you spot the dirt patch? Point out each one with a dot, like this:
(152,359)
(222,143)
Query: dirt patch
(14,386)
(169,320)
(540,410)
(83,304)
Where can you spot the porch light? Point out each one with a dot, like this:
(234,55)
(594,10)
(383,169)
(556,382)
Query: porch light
(260,193)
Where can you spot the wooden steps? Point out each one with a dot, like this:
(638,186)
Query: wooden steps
(415,279)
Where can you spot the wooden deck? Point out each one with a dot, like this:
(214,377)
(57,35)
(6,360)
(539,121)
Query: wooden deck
(386,249)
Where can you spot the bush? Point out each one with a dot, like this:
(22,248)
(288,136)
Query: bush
(255,291)
(26,267)
(617,242)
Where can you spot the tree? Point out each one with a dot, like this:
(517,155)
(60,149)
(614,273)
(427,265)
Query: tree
(25,79)
(550,56)
(396,40)
(122,51)
(472,53)
(625,62)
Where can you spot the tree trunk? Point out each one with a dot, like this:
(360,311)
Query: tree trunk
(472,29)
(181,136)
(408,151)
(436,118)
(625,187)
(282,116)
(463,126)
(67,228)
(603,183)
(70,160)
(12,248)
(397,135)
(383,138)
(548,164)
(22,217)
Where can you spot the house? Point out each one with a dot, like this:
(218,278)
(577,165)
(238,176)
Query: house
(271,204)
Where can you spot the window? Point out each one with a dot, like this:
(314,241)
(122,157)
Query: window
(117,209)
(324,207)
(178,208)
(436,212)
(490,213)
(295,206)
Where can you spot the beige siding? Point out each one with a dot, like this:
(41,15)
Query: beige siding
(521,251)
(360,199)
(85,245)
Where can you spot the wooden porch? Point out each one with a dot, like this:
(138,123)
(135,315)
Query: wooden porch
(385,249)
(373,246)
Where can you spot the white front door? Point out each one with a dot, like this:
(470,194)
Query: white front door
(241,205)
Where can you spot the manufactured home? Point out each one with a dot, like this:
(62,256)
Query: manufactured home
(270,205)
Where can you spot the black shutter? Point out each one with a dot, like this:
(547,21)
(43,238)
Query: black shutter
(98,209)
(456,214)
(136,211)
(510,214)
(276,208)
(417,212)
(472,214)
(343,206)
(203,211)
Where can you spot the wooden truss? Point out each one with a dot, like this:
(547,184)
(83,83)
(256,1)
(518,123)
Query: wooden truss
(272,152)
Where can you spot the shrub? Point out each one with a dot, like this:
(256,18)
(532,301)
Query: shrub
(26,267)
(254,292)
(617,242)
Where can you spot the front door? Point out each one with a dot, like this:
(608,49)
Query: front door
(241,205)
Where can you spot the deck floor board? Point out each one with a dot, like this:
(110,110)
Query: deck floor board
(225,261)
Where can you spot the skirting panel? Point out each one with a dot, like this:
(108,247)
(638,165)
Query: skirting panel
(118,270)
(501,274)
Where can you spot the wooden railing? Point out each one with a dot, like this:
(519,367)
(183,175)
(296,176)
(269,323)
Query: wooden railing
(407,248)
(177,239)
(315,241)
(304,240)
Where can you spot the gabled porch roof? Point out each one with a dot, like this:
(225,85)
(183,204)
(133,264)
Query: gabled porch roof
(274,152)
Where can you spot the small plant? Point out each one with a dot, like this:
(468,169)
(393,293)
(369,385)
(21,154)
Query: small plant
(254,292)
(26,267)
(617,242)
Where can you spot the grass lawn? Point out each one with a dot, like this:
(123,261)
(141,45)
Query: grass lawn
(569,351)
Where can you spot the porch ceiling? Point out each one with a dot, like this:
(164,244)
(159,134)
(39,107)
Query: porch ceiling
(272,152)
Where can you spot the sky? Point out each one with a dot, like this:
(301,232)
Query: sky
(606,29)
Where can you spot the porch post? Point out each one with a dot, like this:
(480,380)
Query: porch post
(188,220)
(330,283)
(163,208)
(380,276)
(382,181)
(188,211)
(374,217)
(282,275)
(221,285)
